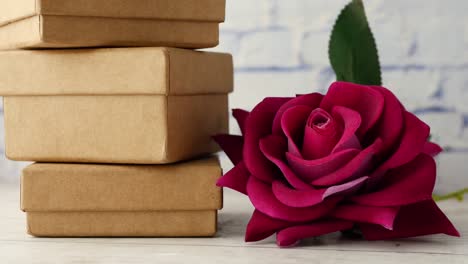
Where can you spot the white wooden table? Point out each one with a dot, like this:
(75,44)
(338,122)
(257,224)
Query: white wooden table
(228,247)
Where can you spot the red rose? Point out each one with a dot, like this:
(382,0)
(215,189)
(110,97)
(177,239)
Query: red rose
(316,164)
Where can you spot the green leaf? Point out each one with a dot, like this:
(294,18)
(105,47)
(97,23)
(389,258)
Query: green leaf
(459,195)
(352,49)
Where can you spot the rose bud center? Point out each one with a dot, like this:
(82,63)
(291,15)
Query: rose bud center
(321,134)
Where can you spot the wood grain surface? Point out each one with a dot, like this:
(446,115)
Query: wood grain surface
(227,247)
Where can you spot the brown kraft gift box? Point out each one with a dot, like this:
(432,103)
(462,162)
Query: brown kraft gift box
(89,200)
(92,23)
(123,105)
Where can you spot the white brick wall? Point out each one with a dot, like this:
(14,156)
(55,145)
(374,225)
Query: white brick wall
(280,49)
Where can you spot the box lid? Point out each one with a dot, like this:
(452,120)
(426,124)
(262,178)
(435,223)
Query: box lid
(188,10)
(122,71)
(88,187)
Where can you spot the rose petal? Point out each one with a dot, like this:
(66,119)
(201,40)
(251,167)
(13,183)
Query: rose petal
(419,219)
(432,149)
(306,198)
(292,235)
(320,136)
(236,178)
(383,216)
(357,167)
(390,124)
(411,145)
(368,102)
(351,122)
(232,146)
(310,170)
(293,123)
(263,199)
(297,198)
(241,116)
(311,100)
(274,148)
(257,126)
(414,182)
(262,226)
(346,188)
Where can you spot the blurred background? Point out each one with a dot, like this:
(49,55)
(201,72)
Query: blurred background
(280,49)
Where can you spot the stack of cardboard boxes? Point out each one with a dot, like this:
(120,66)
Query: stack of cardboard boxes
(113,129)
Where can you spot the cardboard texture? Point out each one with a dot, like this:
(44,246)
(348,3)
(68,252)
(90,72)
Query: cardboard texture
(122,200)
(91,187)
(166,111)
(115,71)
(91,23)
(123,224)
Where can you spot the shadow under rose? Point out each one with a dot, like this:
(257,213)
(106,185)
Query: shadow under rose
(359,243)
(233,225)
